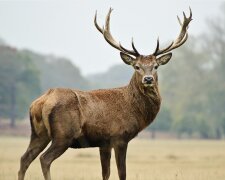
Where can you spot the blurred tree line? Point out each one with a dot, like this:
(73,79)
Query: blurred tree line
(24,75)
(19,83)
(192,84)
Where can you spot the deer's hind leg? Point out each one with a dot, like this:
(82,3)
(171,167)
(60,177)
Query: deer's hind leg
(54,151)
(63,128)
(36,146)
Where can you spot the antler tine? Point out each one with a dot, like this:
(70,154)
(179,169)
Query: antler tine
(184,15)
(161,51)
(157,47)
(190,12)
(107,34)
(179,20)
(135,50)
(96,24)
(108,37)
(181,39)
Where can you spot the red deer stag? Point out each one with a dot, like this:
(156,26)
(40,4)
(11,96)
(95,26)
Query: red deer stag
(107,118)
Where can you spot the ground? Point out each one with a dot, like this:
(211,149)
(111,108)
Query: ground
(146,160)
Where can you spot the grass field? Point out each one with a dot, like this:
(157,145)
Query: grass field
(146,160)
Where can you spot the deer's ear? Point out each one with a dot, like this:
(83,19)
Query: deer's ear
(164,59)
(127,59)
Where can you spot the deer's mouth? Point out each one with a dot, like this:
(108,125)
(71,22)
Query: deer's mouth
(149,84)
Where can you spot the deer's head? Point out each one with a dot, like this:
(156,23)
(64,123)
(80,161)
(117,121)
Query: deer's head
(145,65)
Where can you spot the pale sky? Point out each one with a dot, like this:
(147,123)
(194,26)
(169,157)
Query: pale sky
(66,29)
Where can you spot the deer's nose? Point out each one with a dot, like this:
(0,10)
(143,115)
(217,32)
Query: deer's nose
(148,79)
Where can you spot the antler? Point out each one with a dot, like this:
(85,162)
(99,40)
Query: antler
(108,37)
(180,39)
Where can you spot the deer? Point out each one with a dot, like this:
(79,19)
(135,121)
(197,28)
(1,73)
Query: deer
(106,118)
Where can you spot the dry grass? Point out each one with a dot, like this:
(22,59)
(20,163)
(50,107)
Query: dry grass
(146,160)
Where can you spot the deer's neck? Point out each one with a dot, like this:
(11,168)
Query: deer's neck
(145,100)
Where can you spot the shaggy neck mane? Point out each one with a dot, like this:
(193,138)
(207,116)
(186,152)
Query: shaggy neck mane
(146,100)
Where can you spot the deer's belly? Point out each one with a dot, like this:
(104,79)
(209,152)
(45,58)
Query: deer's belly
(86,142)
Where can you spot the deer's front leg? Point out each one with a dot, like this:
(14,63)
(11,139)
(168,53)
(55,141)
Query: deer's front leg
(105,155)
(120,154)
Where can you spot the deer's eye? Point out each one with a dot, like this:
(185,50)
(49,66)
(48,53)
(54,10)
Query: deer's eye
(137,67)
(156,67)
